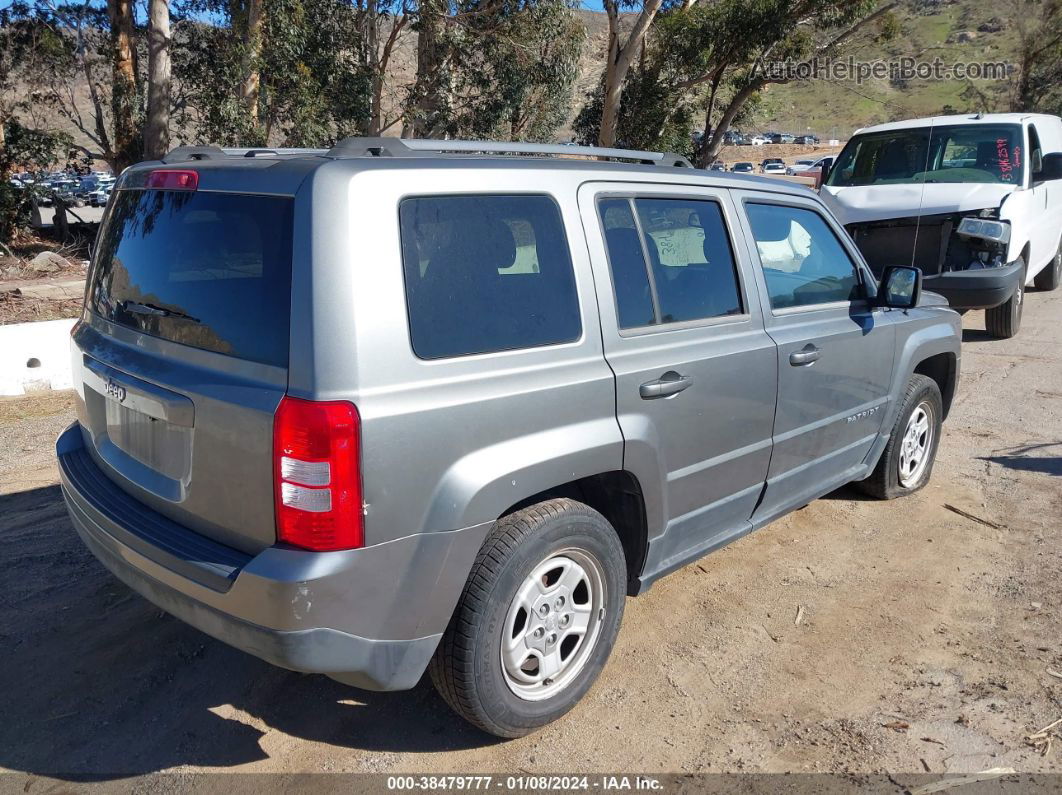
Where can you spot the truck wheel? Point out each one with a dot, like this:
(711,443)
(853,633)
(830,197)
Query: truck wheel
(1049,277)
(907,462)
(1004,321)
(537,619)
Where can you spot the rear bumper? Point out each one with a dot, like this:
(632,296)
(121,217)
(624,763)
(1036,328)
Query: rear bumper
(371,617)
(976,289)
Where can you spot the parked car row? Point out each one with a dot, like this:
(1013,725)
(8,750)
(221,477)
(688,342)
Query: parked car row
(736,138)
(790,138)
(72,189)
(776,166)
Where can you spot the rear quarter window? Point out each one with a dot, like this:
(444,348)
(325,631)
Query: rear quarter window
(486,274)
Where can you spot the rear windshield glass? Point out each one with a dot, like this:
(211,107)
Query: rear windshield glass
(210,270)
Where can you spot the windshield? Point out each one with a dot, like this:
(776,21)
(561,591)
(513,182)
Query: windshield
(953,153)
(210,270)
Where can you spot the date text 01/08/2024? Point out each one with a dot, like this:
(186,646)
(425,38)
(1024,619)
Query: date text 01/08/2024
(605,783)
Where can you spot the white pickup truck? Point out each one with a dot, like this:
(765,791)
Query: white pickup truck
(975,201)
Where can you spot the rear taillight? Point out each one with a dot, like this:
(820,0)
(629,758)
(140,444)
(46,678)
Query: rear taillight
(173,179)
(317,474)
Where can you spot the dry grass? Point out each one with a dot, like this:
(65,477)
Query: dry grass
(16,308)
(14,410)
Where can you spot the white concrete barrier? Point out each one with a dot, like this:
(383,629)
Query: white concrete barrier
(35,356)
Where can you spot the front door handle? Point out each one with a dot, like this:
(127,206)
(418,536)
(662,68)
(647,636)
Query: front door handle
(670,383)
(809,354)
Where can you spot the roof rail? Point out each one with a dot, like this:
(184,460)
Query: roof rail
(183,154)
(417,147)
(375,147)
(271,151)
(414,147)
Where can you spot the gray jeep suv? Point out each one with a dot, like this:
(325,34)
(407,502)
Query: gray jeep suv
(407,405)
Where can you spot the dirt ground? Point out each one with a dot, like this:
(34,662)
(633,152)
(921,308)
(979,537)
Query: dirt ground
(926,640)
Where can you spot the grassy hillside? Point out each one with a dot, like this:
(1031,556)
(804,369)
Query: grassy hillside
(959,30)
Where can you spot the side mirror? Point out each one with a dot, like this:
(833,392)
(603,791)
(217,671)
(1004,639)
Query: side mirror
(900,287)
(824,170)
(1051,168)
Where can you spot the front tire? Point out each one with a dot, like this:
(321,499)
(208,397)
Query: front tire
(907,463)
(537,619)
(1003,321)
(1049,277)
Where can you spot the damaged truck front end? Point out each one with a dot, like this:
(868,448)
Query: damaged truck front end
(964,256)
(949,196)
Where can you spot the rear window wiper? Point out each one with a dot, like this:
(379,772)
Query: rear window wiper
(150,309)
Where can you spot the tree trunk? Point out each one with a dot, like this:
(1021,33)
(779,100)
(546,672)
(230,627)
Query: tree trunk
(370,37)
(429,100)
(702,151)
(60,223)
(619,63)
(157,127)
(124,95)
(711,151)
(9,215)
(252,54)
(5,164)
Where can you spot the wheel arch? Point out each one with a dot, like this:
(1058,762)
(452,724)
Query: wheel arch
(943,368)
(933,347)
(617,495)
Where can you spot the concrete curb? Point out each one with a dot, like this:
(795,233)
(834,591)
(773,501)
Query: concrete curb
(35,356)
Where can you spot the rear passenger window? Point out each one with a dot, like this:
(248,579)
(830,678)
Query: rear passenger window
(690,273)
(486,273)
(803,261)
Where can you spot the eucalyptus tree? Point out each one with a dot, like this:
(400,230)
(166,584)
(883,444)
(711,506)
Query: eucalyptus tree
(1037,84)
(710,59)
(493,68)
(270,72)
(515,78)
(157,122)
(622,50)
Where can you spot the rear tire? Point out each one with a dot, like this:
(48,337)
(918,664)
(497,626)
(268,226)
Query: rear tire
(1051,275)
(1003,321)
(907,463)
(537,620)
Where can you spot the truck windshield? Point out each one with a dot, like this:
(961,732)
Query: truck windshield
(948,153)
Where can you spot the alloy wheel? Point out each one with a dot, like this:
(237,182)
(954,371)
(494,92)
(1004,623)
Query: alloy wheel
(552,624)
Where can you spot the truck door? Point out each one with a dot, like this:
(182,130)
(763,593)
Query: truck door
(1046,209)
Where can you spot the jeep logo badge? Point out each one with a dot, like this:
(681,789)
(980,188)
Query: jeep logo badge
(116,391)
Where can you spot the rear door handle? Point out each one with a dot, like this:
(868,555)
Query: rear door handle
(670,383)
(809,354)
